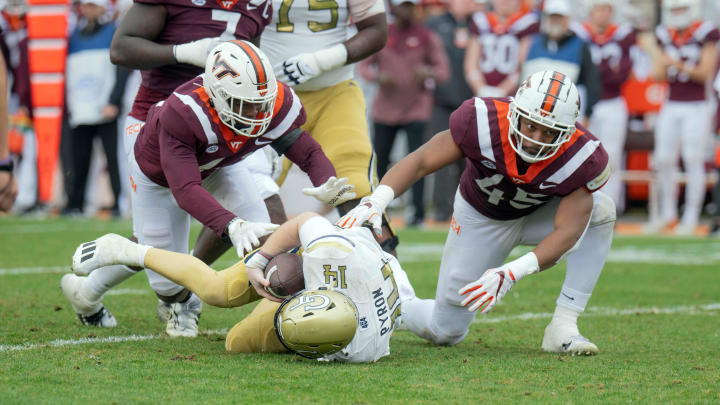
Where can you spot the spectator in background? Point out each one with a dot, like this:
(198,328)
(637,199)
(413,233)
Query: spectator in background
(407,70)
(93,94)
(687,61)
(8,185)
(500,43)
(21,137)
(557,48)
(715,225)
(610,46)
(452,28)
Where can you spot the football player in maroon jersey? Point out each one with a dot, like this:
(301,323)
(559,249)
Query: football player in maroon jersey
(532,177)
(178,169)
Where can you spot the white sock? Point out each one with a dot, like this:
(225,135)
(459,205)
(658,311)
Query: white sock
(103,279)
(566,318)
(584,266)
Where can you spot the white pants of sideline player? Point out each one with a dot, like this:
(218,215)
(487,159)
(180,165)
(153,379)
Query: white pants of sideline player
(481,243)
(682,127)
(609,123)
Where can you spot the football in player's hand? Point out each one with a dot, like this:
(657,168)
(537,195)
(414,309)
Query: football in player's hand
(285,274)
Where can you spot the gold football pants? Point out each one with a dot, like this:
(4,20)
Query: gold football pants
(336,119)
(227,289)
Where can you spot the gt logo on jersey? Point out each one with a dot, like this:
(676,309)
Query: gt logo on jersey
(224,68)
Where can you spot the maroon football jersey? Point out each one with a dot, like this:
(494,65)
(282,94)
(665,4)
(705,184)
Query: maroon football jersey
(190,20)
(686,46)
(14,45)
(492,182)
(500,43)
(184,141)
(611,54)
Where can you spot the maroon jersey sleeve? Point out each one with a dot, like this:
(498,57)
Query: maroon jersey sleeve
(463,125)
(310,158)
(180,166)
(593,172)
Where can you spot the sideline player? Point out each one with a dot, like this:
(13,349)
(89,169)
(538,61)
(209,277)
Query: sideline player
(610,46)
(531,179)
(683,124)
(348,262)
(178,161)
(502,38)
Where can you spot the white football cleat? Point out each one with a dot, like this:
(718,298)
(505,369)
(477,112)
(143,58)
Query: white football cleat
(558,340)
(184,317)
(105,251)
(164,310)
(90,313)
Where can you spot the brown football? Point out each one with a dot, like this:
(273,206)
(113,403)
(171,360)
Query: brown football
(285,274)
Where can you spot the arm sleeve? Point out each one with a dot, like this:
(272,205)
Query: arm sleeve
(310,158)
(590,78)
(438,59)
(178,161)
(121,76)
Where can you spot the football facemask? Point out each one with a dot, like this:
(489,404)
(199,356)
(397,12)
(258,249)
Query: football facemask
(242,86)
(316,323)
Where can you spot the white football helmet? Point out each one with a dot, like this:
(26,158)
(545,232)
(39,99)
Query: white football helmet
(679,14)
(548,98)
(316,323)
(242,87)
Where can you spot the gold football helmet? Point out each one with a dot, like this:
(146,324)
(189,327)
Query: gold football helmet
(316,323)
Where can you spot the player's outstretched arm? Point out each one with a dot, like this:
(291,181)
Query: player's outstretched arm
(571,219)
(133,46)
(438,152)
(282,240)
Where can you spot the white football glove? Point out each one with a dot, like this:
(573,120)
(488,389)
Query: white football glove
(489,289)
(245,235)
(333,192)
(369,210)
(305,66)
(195,52)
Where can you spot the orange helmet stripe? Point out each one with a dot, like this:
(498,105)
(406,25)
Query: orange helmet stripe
(256,62)
(554,92)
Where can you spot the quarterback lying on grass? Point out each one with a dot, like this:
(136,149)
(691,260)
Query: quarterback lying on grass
(354,290)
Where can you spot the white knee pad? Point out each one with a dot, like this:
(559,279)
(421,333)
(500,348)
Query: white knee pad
(603,210)
(447,338)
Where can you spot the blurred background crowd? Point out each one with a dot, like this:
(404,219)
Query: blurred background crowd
(647,70)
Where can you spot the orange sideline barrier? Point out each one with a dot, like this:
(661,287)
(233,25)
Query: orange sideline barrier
(47,60)
(48,94)
(46,25)
(47,132)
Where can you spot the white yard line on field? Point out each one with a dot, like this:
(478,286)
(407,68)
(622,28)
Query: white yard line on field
(705,309)
(92,340)
(606,311)
(14,271)
(128,291)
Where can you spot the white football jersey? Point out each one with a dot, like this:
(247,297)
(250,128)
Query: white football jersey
(300,26)
(352,262)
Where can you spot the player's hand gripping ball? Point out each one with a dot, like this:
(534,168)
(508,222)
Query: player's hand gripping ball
(285,274)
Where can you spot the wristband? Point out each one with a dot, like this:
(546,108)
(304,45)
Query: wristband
(331,58)
(524,265)
(382,196)
(7,165)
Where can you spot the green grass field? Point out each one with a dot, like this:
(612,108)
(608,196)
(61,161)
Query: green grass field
(654,315)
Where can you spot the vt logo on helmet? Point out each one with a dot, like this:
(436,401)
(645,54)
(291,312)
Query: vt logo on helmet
(316,323)
(547,98)
(242,87)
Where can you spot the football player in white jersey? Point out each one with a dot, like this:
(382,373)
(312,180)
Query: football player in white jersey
(345,267)
(532,177)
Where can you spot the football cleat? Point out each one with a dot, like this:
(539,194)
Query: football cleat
(164,310)
(184,318)
(91,313)
(557,340)
(104,251)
